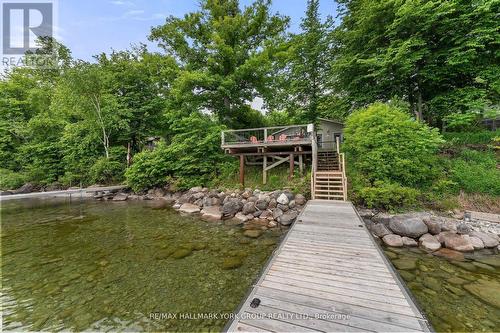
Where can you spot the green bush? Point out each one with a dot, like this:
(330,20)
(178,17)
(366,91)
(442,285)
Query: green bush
(385,144)
(389,196)
(478,137)
(192,158)
(10,180)
(476,172)
(106,171)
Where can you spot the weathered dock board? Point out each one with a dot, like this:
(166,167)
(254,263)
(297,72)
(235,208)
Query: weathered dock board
(329,275)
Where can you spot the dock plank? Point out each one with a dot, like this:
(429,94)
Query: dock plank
(328,275)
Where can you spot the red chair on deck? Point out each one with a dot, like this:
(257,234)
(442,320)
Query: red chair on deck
(282,138)
(253,139)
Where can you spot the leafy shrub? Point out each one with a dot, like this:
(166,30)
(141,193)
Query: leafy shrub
(388,196)
(476,172)
(192,158)
(478,137)
(461,121)
(106,171)
(385,144)
(11,180)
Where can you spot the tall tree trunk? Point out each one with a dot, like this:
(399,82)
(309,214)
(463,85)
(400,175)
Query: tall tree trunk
(105,135)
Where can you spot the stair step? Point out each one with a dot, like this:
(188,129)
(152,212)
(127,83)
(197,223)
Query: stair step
(329,191)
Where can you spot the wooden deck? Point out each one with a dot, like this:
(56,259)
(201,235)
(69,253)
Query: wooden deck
(329,275)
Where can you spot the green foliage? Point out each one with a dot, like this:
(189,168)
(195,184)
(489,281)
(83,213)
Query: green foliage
(476,137)
(192,157)
(441,56)
(476,172)
(461,122)
(390,196)
(106,171)
(385,144)
(11,180)
(224,55)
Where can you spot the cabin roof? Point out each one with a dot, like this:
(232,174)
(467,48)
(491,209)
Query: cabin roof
(331,121)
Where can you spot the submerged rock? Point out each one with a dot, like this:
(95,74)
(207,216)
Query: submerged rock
(288,217)
(450,254)
(120,197)
(181,253)
(458,243)
(189,208)
(253,233)
(405,263)
(393,240)
(211,213)
(487,291)
(232,263)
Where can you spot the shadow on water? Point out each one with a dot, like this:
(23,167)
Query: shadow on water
(457,296)
(86,265)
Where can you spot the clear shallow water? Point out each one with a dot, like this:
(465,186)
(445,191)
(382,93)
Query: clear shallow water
(456,296)
(90,265)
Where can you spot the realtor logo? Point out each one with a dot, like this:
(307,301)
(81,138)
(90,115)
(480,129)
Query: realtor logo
(23,23)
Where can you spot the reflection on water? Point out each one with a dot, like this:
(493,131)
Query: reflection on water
(457,296)
(102,266)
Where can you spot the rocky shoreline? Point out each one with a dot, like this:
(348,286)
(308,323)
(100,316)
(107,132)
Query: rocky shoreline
(256,210)
(442,236)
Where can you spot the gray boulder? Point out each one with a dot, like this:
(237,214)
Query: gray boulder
(288,217)
(189,208)
(248,208)
(300,199)
(261,204)
(382,218)
(211,213)
(410,242)
(463,228)
(476,242)
(283,199)
(277,213)
(231,207)
(120,197)
(272,203)
(489,240)
(456,242)
(429,242)
(433,225)
(393,240)
(380,230)
(283,207)
(408,225)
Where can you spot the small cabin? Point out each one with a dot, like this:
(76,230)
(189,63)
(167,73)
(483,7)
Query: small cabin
(297,145)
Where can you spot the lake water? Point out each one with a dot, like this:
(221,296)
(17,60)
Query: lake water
(122,266)
(457,296)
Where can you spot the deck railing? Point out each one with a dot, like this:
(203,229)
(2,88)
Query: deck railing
(267,135)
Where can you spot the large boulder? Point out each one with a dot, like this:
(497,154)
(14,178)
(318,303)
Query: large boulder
(382,218)
(120,197)
(380,230)
(26,188)
(489,240)
(429,242)
(283,199)
(408,225)
(211,213)
(456,242)
(189,208)
(248,208)
(231,207)
(433,225)
(476,242)
(277,213)
(288,217)
(300,199)
(261,204)
(410,242)
(393,240)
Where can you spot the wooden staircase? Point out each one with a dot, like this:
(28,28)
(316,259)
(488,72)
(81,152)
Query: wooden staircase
(329,181)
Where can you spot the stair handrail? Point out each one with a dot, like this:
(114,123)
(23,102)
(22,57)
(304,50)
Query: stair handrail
(314,148)
(341,157)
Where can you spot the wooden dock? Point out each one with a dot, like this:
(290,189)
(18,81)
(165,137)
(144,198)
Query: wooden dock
(329,275)
(62,193)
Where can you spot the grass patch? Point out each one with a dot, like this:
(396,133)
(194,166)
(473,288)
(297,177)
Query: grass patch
(277,178)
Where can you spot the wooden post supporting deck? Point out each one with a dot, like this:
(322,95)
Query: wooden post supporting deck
(242,170)
(264,170)
(292,164)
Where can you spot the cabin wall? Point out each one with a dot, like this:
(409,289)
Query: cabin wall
(328,132)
